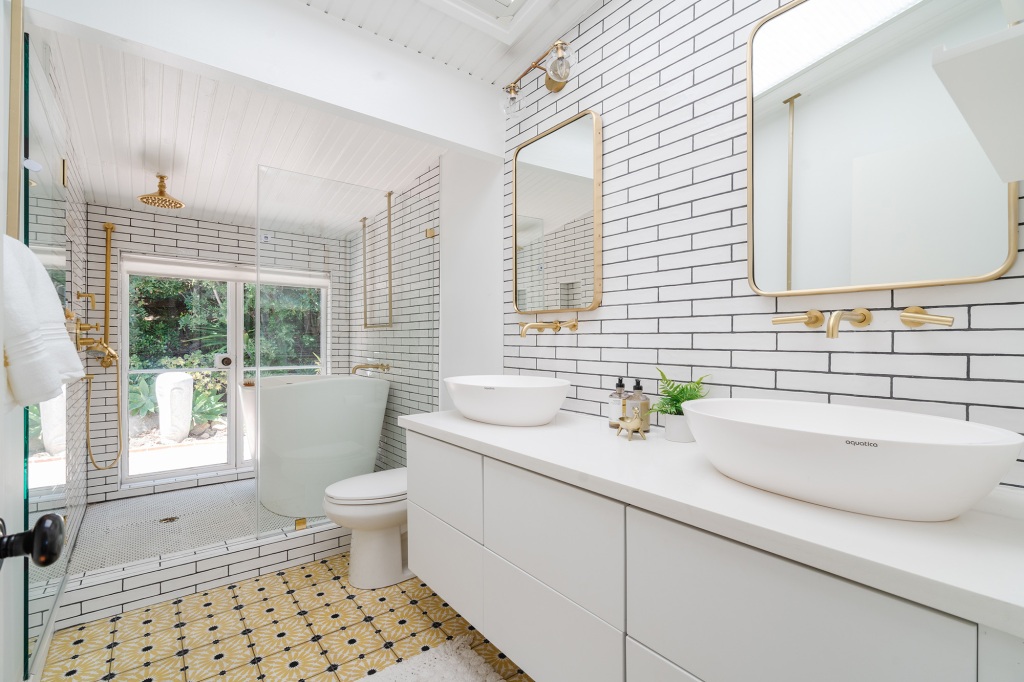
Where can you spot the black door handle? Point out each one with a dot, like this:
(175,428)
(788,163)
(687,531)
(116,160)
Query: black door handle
(43,544)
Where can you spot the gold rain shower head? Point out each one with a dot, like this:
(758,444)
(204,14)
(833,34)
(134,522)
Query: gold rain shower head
(160,198)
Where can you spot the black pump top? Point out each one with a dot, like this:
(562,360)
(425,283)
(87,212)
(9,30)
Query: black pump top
(619,383)
(637,386)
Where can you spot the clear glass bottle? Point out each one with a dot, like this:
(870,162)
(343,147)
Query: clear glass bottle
(617,404)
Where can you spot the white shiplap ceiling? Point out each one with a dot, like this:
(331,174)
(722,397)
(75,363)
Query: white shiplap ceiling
(475,37)
(132,117)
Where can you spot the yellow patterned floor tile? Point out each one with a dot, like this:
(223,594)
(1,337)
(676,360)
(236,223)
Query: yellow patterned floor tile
(402,622)
(80,639)
(301,577)
(213,659)
(244,673)
(497,660)
(272,638)
(142,621)
(260,613)
(324,632)
(165,670)
(87,667)
(418,643)
(213,627)
(354,640)
(317,596)
(211,601)
(415,588)
(259,588)
(365,665)
(459,627)
(146,649)
(299,663)
(521,677)
(437,608)
(380,600)
(332,618)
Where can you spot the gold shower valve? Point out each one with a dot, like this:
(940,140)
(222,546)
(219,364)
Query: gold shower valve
(92,298)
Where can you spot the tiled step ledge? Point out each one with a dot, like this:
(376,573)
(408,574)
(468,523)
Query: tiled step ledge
(118,589)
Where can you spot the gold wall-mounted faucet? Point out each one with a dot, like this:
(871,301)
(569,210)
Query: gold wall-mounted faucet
(915,316)
(555,326)
(858,317)
(378,366)
(812,319)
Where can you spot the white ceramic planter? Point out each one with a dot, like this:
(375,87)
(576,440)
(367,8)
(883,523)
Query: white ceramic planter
(677,428)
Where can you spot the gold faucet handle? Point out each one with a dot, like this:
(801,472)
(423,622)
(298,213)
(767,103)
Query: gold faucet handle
(812,319)
(915,316)
(92,298)
(571,325)
(859,317)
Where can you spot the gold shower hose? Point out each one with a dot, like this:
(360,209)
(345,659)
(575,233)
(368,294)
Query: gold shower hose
(88,426)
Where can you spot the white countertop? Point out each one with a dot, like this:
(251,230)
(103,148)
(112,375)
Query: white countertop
(971,567)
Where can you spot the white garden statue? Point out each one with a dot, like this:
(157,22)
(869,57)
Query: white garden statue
(174,398)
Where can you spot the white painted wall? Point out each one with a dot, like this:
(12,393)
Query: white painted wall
(471,278)
(297,49)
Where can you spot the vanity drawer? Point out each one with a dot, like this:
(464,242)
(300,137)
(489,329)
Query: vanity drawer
(730,613)
(571,540)
(448,561)
(447,481)
(547,635)
(643,665)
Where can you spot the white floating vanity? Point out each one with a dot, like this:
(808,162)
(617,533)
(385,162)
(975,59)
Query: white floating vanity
(589,558)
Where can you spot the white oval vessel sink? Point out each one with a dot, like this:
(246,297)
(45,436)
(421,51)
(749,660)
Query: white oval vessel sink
(508,400)
(899,465)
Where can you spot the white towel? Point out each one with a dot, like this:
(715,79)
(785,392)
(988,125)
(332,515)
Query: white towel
(38,352)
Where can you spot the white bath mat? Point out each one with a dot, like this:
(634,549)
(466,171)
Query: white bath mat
(453,661)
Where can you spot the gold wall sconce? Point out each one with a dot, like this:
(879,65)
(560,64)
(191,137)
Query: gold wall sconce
(915,316)
(555,326)
(812,319)
(556,74)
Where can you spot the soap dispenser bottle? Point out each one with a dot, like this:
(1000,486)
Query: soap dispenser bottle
(617,404)
(637,399)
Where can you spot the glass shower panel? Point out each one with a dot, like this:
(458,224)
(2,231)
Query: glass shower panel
(298,319)
(47,424)
(371,254)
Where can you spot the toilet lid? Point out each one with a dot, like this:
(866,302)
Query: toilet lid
(376,488)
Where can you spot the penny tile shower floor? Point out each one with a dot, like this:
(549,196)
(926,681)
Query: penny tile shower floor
(305,623)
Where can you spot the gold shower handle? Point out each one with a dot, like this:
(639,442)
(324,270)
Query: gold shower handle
(92,298)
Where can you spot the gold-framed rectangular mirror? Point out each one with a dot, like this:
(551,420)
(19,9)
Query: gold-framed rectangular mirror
(862,173)
(556,218)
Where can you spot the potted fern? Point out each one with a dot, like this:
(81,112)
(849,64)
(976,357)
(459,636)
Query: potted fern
(673,395)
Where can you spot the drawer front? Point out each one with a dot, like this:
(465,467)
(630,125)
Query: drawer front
(548,636)
(571,540)
(447,481)
(643,665)
(448,561)
(730,613)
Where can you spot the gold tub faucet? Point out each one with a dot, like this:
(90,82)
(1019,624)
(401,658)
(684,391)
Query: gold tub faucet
(554,325)
(379,366)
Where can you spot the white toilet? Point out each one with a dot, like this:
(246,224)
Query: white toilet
(373,506)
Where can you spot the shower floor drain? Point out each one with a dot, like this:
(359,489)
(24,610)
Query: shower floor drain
(169,519)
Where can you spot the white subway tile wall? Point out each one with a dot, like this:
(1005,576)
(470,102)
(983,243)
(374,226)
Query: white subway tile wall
(668,79)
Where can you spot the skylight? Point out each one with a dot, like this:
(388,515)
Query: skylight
(810,32)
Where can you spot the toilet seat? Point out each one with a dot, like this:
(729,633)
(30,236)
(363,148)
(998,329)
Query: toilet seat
(380,487)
